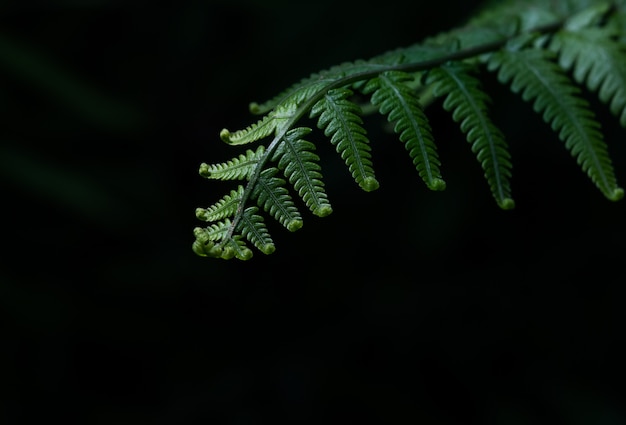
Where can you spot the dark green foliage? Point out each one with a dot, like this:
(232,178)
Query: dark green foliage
(543,51)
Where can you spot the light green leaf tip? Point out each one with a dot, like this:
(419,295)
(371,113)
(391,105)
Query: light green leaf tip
(294,225)
(323,211)
(616,195)
(370,184)
(437,184)
(507,204)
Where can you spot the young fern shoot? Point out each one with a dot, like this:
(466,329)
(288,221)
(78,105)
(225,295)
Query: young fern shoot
(544,52)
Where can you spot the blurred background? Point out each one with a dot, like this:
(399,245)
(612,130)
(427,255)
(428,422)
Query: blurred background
(403,306)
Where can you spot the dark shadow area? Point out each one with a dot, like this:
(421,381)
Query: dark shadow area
(403,307)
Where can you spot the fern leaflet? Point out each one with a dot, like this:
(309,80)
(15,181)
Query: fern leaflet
(341,121)
(390,93)
(273,197)
(534,74)
(253,228)
(300,165)
(468,103)
(239,168)
(225,207)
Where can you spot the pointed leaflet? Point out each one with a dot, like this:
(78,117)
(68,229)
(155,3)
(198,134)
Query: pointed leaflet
(534,74)
(467,101)
(340,119)
(300,165)
(395,99)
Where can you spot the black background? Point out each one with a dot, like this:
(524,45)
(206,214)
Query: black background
(403,306)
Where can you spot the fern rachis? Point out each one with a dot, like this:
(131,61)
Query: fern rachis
(542,51)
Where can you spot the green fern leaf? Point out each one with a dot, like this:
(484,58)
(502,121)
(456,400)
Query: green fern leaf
(238,168)
(253,228)
(301,167)
(598,61)
(273,197)
(225,207)
(467,101)
(341,121)
(534,74)
(395,99)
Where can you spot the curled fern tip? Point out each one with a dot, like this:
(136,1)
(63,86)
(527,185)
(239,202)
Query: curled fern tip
(323,211)
(617,194)
(507,204)
(225,135)
(294,225)
(204,170)
(268,249)
(437,184)
(254,108)
(370,184)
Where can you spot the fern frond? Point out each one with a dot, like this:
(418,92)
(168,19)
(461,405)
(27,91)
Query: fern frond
(274,198)
(253,228)
(543,50)
(468,103)
(301,167)
(598,61)
(225,207)
(340,119)
(238,168)
(538,79)
(390,93)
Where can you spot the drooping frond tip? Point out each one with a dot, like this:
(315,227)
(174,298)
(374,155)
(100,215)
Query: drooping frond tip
(545,52)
